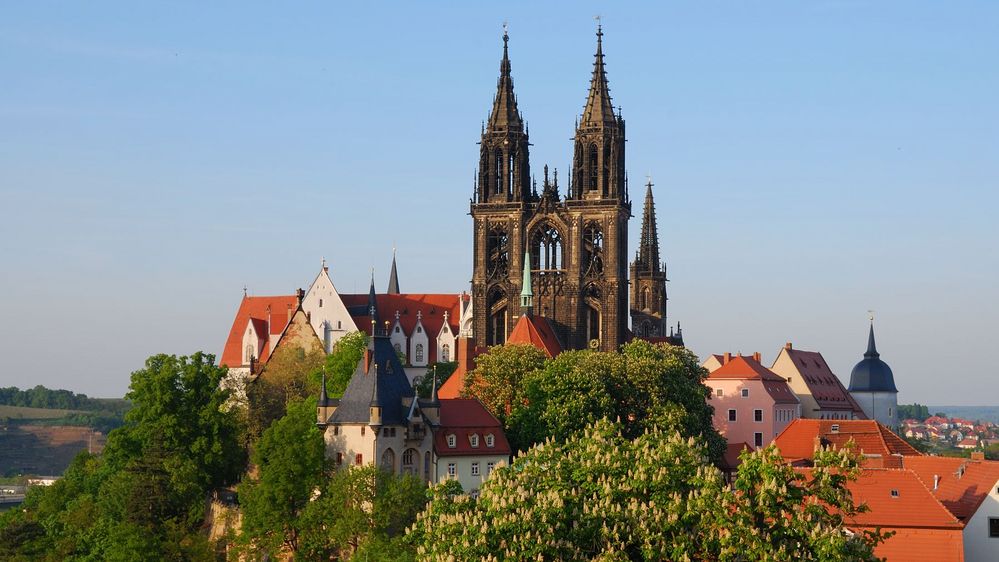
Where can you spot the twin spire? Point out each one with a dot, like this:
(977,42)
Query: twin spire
(505,116)
(598,109)
(647,259)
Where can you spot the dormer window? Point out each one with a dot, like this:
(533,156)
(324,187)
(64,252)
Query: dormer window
(474,440)
(452,441)
(490,440)
(894,493)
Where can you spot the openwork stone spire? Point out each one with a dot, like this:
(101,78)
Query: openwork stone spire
(505,116)
(647,259)
(598,109)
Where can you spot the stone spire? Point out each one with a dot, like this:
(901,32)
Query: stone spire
(526,292)
(647,260)
(505,116)
(599,109)
(393,286)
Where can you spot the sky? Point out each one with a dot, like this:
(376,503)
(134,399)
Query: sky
(811,160)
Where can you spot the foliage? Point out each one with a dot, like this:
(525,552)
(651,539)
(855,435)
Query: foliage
(362,511)
(340,364)
(283,380)
(917,412)
(992,452)
(41,397)
(644,385)
(290,458)
(144,497)
(443,369)
(601,496)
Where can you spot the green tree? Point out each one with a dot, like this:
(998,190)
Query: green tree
(601,496)
(443,371)
(340,364)
(290,458)
(285,379)
(499,374)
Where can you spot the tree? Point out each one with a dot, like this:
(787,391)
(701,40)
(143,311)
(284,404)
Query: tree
(442,370)
(284,379)
(499,374)
(290,459)
(601,496)
(340,364)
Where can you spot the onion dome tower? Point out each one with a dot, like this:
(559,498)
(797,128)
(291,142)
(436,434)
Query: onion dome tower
(872,385)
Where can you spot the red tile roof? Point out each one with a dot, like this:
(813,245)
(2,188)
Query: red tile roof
(826,388)
(798,439)
(536,331)
(963,483)
(464,417)
(741,367)
(730,458)
(432,306)
(913,506)
(256,308)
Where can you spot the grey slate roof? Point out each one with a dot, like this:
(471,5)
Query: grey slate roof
(872,374)
(392,386)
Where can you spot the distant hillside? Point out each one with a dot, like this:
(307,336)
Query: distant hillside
(46,451)
(983,413)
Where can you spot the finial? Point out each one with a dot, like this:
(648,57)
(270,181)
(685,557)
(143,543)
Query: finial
(244,289)
(870,315)
(555,179)
(506,36)
(419,315)
(648,179)
(396,314)
(545,184)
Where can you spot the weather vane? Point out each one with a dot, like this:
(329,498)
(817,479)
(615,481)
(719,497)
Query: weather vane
(870,314)
(505,27)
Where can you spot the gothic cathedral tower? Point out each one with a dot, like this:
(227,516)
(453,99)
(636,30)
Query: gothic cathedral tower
(578,247)
(648,278)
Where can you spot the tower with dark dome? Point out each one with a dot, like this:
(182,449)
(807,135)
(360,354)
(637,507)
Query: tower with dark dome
(872,385)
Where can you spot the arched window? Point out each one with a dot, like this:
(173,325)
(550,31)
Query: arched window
(388,460)
(419,353)
(498,172)
(546,248)
(249,353)
(594,168)
(593,297)
(409,460)
(606,168)
(593,250)
(498,251)
(509,183)
(646,297)
(496,327)
(426,466)
(446,353)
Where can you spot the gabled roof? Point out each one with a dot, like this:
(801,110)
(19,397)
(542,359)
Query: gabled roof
(256,308)
(799,438)
(432,306)
(453,386)
(362,391)
(536,331)
(826,388)
(464,417)
(747,368)
(963,483)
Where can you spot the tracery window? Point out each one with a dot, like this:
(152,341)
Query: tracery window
(498,172)
(446,353)
(593,169)
(498,251)
(593,250)
(546,248)
(419,353)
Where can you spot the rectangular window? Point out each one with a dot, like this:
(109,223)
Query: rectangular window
(489,468)
(358,459)
(758,415)
(758,439)
(994,527)
(745,393)
(362,430)
(452,470)
(475,469)
(720,392)
(339,459)
(385,432)
(731,415)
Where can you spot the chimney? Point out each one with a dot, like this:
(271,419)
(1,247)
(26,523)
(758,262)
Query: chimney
(936,481)
(978,455)
(757,357)
(726,358)
(464,355)
(788,346)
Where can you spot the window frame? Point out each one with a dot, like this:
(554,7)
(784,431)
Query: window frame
(733,415)
(994,527)
(452,470)
(475,469)
(758,415)
(745,393)
(452,441)
(758,439)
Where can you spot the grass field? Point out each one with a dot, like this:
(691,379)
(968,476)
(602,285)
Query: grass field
(23,413)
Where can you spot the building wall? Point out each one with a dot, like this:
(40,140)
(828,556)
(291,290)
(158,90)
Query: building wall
(978,546)
(463,467)
(775,416)
(881,406)
(784,366)
(325,308)
(372,445)
(922,545)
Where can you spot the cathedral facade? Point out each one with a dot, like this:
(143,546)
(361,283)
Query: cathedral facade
(576,242)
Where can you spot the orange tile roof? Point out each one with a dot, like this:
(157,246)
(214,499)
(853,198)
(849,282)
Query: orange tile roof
(826,388)
(432,306)
(798,439)
(464,417)
(747,368)
(536,331)
(256,308)
(963,483)
(914,505)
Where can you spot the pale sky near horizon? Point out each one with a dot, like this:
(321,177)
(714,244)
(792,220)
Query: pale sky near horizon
(811,160)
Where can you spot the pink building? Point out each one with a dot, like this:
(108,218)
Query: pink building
(752,403)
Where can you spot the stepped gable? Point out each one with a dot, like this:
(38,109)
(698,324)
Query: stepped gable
(256,308)
(464,417)
(827,390)
(536,331)
(962,484)
(380,362)
(748,368)
(799,439)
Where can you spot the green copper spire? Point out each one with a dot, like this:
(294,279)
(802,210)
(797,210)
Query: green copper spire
(526,294)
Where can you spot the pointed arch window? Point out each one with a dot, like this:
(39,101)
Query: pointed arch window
(646,298)
(496,328)
(593,166)
(419,353)
(593,249)
(388,460)
(498,172)
(498,251)
(546,248)
(446,353)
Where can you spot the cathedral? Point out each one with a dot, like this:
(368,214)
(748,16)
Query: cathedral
(570,249)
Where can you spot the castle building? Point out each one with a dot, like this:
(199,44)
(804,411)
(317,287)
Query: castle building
(577,241)
(872,385)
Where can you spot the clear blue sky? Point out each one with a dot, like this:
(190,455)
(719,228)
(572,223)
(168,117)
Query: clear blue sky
(812,160)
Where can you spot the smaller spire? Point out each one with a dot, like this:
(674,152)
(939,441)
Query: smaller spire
(323,399)
(872,350)
(393,286)
(526,291)
(433,391)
